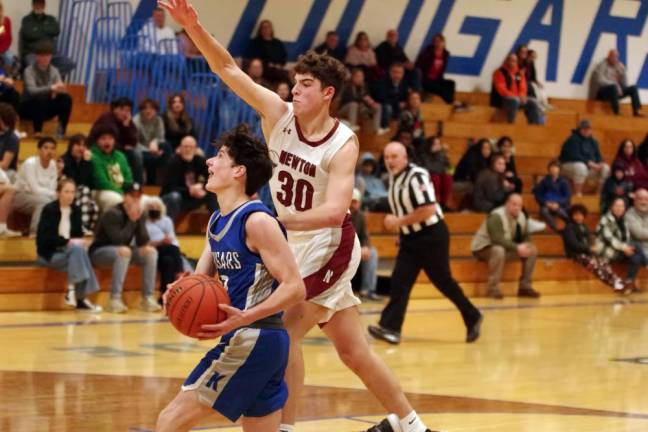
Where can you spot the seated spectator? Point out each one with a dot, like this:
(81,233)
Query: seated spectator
(357,102)
(283,90)
(36,28)
(61,246)
(8,92)
(509,92)
(613,242)
(9,141)
(526,63)
(636,219)
(77,166)
(578,246)
(491,186)
(120,119)
(360,54)
(152,148)
(389,52)
(411,119)
(476,159)
(432,62)
(7,193)
(271,51)
(368,253)
(254,70)
(642,152)
(580,158)
(375,194)
(158,31)
(6,39)
(187,47)
(110,170)
(184,183)
(635,171)
(331,46)
(391,92)
(121,239)
(609,83)
(45,94)
(36,182)
(553,196)
(616,186)
(177,123)
(504,236)
(163,238)
(505,146)
(432,156)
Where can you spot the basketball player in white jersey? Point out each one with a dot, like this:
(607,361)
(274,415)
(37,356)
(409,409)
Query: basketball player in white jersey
(312,186)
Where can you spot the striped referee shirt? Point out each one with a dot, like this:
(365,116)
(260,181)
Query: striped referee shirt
(408,190)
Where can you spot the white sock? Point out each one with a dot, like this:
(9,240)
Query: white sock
(286,428)
(3,227)
(412,423)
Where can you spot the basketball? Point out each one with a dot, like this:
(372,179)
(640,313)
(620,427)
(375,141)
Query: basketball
(194,301)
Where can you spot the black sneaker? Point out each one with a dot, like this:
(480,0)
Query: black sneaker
(383,426)
(389,336)
(528,292)
(87,306)
(472,332)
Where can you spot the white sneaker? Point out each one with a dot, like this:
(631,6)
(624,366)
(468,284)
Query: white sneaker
(149,304)
(618,285)
(116,305)
(70,298)
(10,233)
(535,226)
(86,305)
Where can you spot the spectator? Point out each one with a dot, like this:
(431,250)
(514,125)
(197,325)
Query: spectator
(616,186)
(331,46)
(283,90)
(7,193)
(391,92)
(60,245)
(255,71)
(411,119)
(642,152)
(613,242)
(368,253)
(120,119)
(151,147)
(610,83)
(121,239)
(505,146)
(553,196)
(526,63)
(77,166)
(432,62)
(504,236)
(177,123)
(36,182)
(6,39)
(580,158)
(184,185)
(360,54)
(509,92)
(9,141)
(576,239)
(637,219)
(356,101)
(45,94)
(492,187)
(375,193)
(163,238)
(8,92)
(111,173)
(187,47)
(434,158)
(271,51)
(635,170)
(161,32)
(476,159)
(389,52)
(38,28)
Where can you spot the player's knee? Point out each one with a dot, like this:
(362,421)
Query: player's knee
(169,419)
(124,252)
(353,357)
(149,252)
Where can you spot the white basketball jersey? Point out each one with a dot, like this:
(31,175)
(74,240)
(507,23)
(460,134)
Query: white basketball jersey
(301,176)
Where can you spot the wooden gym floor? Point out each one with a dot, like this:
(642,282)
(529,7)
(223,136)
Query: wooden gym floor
(563,363)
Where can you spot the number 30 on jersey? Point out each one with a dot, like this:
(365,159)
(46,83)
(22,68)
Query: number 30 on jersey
(299,193)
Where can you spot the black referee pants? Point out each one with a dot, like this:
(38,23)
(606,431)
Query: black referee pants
(427,250)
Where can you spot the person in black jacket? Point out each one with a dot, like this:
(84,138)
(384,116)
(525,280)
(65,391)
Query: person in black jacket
(576,239)
(184,185)
(77,166)
(271,51)
(389,52)
(391,92)
(60,245)
(432,62)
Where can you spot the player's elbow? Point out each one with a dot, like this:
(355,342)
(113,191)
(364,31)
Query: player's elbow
(336,218)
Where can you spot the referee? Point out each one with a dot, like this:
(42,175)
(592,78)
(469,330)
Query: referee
(424,244)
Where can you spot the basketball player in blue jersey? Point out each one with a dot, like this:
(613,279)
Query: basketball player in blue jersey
(243,376)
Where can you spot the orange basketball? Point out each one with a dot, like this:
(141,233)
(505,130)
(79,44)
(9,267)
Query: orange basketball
(194,301)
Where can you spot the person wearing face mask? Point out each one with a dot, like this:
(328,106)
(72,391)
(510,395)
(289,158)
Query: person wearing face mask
(162,236)
(61,246)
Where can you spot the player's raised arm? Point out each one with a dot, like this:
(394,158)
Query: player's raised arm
(266,102)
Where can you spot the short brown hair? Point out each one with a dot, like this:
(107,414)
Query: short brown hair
(148,102)
(330,71)
(8,115)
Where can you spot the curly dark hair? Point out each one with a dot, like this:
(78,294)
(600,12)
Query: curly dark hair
(330,71)
(577,208)
(247,150)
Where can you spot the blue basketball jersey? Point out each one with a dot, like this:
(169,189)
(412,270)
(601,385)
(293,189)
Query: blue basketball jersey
(246,278)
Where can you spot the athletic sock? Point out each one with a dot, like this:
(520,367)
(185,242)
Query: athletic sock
(412,423)
(286,428)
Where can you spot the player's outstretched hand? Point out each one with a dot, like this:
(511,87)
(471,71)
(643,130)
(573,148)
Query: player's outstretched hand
(235,319)
(181,11)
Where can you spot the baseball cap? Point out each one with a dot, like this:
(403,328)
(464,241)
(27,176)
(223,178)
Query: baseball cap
(134,189)
(585,124)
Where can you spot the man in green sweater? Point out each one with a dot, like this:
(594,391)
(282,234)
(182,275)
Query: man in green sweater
(504,235)
(110,170)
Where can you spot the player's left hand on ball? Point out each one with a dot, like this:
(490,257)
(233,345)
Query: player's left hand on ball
(235,319)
